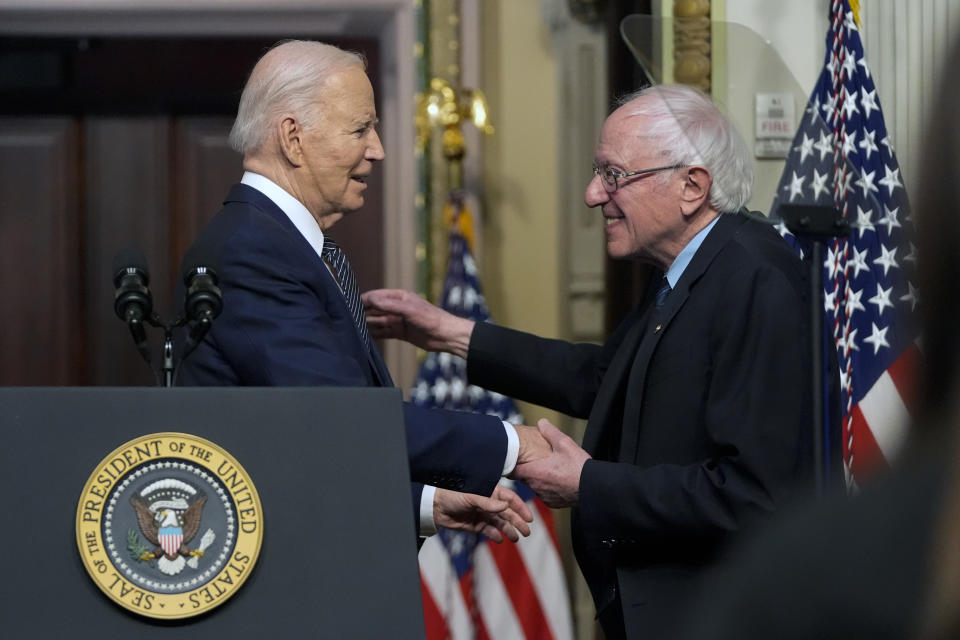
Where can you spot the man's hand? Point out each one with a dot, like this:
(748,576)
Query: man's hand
(395,313)
(533,446)
(503,511)
(555,478)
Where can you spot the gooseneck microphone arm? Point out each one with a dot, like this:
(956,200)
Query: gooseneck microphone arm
(133,304)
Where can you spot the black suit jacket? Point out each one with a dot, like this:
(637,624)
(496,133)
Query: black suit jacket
(286,323)
(697,421)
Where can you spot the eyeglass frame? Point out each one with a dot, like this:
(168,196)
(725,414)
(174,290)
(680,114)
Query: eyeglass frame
(620,175)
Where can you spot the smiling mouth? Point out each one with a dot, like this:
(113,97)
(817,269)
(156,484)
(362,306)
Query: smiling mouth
(360,179)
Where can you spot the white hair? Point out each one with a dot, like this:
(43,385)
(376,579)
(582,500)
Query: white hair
(287,79)
(689,129)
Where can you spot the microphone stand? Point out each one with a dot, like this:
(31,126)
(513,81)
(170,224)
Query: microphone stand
(818,224)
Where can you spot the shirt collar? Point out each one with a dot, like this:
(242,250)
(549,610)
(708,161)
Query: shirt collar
(305,223)
(684,257)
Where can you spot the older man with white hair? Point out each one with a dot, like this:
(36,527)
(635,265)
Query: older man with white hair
(696,421)
(292,315)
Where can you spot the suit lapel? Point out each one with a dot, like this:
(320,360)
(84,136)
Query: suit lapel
(628,369)
(607,410)
(660,321)
(249,195)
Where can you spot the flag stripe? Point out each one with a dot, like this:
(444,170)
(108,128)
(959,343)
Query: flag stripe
(433,619)
(903,372)
(545,515)
(442,581)
(521,590)
(864,454)
(540,554)
(883,410)
(493,597)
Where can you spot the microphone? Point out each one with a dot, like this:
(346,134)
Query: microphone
(204,300)
(132,301)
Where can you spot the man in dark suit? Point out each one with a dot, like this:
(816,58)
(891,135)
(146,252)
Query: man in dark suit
(696,420)
(292,314)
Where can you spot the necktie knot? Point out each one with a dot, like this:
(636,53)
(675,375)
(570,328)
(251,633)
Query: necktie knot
(336,259)
(663,292)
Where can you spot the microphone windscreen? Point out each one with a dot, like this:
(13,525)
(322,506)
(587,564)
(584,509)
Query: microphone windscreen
(197,257)
(130,257)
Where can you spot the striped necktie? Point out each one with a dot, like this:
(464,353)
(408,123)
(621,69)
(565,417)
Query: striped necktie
(663,292)
(336,259)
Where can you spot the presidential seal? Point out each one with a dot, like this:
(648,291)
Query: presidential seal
(169,525)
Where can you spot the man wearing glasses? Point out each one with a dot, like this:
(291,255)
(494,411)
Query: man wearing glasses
(697,424)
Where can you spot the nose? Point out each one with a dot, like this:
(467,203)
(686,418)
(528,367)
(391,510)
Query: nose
(596,193)
(375,149)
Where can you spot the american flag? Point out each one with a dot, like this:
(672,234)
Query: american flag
(843,157)
(473,588)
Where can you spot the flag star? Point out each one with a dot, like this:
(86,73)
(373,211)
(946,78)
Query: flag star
(832,263)
(453,298)
(912,256)
(849,22)
(814,109)
(824,145)
(910,296)
(859,262)
(805,148)
(830,301)
(795,187)
(863,63)
(469,298)
(819,183)
(845,379)
(867,144)
(440,388)
(852,302)
(849,62)
(885,141)
(869,101)
(863,221)
(887,259)
(781,228)
(849,143)
(456,389)
(850,344)
(878,338)
(866,183)
(445,360)
(881,299)
(849,104)
(469,266)
(890,219)
(830,106)
(891,179)
(832,64)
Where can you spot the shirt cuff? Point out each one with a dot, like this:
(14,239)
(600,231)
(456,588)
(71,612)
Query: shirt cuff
(513,448)
(427,526)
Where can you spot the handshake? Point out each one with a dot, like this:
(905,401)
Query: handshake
(549,462)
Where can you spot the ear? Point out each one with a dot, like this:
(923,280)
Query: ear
(696,189)
(290,134)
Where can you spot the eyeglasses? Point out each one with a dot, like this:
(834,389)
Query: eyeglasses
(611,176)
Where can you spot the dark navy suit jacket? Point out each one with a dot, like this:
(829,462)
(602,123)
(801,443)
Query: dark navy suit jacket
(697,418)
(286,323)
